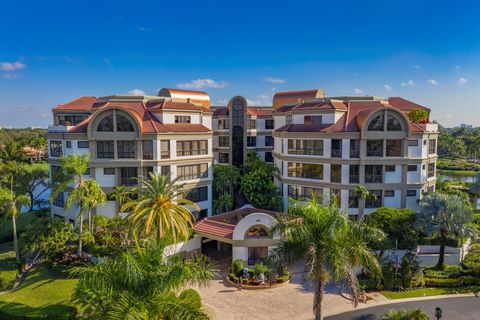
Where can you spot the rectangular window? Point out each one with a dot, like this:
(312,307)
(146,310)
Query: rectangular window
(56,148)
(305,170)
(394,148)
(68,144)
(83,144)
(182,119)
(165,149)
(431,169)
(354,173)
(147,171)
(336,148)
(389,193)
(251,124)
(432,146)
(70,119)
(354,148)
(109,171)
(223,141)
(196,194)
(411,193)
(128,176)
(375,201)
(126,149)
(57,174)
(352,199)
(223,124)
(269,124)
(147,146)
(389,168)
(251,141)
(412,167)
(413,143)
(336,173)
(312,120)
(288,120)
(373,174)
(59,200)
(268,141)
(268,156)
(105,150)
(304,193)
(337,195)
(374,148)
(305,147)
(191,148)
(165,170)
(192,172)
(223,158)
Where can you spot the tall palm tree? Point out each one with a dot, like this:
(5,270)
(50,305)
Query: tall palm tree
(332,245)
(143,285)
(94,196)
(159,207)
(363,194)
(444,215)
(413,314)
(11,204)
(120,194)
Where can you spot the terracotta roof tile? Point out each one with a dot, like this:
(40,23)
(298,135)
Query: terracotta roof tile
(215,228)
(83,103)
(405,105)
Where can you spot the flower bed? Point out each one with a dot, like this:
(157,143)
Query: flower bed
(256,277)
(253,283)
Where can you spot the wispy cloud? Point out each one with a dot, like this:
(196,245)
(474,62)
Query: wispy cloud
(462,81)
(12,66)
(144,29)
(433,82)
(387,87)
(416,66)
(274,80)
(358,91)
(9,75)
(202,84)
(409,83)
(136,92)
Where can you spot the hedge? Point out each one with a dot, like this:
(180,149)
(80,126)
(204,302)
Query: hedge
(192,296)
(70,315)
(472,259)
(452,282)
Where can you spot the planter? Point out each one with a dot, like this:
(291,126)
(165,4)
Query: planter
(255,285)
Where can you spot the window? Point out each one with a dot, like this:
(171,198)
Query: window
(288,120)
(165,149)
(182,119)
(191,172)
(87,172)
(268,141)
(126,149)
(251,141)
(373,174)
(256,232)
(147,149)
(354,148)
(191,148)
(223,124)
(374,148)
(336,173)
(70,120)
(106,124)
(393,124)
(411,193)
(196,194)
(251,124)
(123,124)
(223,157)
(238,123)
(305,170)
(57,173)
(312,120)
(128,176)
(431,169)
(304,193)
(105,150)
(305,147)
(394,148)
(354,173)
(59,200)
(375,201)
(56,148)
(200,215)
(336,194)
(147,171)
(390,168)
(412,168)
(268,156)
(109,171)
(389,193)
(68,144)
(165,170)
(257,255)
(432,146)
(83,144)
(424,142)
(413,143)
(269,124)
(352,199)
(376,124)
(223,141)
(336,148)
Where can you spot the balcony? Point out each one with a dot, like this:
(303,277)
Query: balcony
(58,129)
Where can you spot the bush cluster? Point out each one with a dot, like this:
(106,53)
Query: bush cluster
(472,260)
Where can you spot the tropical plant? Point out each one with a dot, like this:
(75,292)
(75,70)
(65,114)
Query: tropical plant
(94,196)
(417,115)
(363,194)
(413,314)
(12,151)
(444,215)
(226,179)
(142,284)
(120,194)
(159,207)
(332,245)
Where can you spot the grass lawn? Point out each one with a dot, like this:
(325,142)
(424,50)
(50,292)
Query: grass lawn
(40,296)
(8,267)
(469,173)
(23,220)
(40,165)
(424,292)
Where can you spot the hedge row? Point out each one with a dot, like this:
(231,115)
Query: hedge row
(452,282)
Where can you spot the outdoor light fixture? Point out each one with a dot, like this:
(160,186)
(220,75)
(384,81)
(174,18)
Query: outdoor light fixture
(438,313)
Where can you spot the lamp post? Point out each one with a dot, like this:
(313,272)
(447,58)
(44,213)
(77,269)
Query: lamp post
(438,313)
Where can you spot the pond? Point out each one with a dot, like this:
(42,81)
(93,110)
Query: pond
(458,177)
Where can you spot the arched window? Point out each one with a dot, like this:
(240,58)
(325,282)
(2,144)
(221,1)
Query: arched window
(123,124)
(106,124)
(257,232)
(376,124)
(393,124)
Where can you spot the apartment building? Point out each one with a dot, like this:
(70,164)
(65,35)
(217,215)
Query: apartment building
(130,136)
(238,129)
(328,145)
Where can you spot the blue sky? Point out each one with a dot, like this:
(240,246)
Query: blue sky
(55,51)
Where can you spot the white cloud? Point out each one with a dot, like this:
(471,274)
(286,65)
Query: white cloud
(433,82)
(448,115)
(274,80)
(254,102)
(12,66)
(462,81)
(136,92)
(358,91)
(9,76)
(144,29)
(416,66)
(387,87)
(409,83)
(202,84)
(222,102)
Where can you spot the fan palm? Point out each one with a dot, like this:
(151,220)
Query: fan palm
(332,245)
(142,285)
(159,207)
(444,215)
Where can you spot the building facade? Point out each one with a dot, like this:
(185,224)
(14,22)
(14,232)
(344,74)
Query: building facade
(327,146)
(238,129)
(129,136)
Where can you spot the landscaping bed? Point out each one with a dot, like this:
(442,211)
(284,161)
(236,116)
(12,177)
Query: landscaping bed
(257,277)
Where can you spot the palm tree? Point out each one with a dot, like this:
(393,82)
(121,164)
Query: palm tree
(120,194)
(11,204)
(159,207)
(12,151)
(142,284)
(332,245)
(414,314)
(363,194)
(444,214)
(94,196)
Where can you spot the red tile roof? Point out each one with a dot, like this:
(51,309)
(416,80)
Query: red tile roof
(214,228)
(405,105)
(82,103)
(252,111)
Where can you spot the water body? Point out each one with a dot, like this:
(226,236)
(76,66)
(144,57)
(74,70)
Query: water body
(460,177)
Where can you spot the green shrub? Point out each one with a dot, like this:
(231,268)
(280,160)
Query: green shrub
(406,273)
(260,268)
(192,296)
(237,267)
(282,279)
(453,282)
(286,273)
(244,281)
(447,272)
(233,277)
(472,260)
(388,277)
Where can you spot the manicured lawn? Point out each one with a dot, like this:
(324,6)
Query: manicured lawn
(8,267)
(427,292)
(40,296)
(469,173)
(23,220)
(40,165)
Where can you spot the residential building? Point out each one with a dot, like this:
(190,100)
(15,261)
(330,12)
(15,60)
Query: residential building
(238,129)
(130,136)
(328,145)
